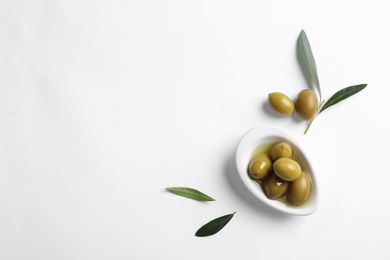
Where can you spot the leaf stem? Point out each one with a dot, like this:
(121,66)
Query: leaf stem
(309,124)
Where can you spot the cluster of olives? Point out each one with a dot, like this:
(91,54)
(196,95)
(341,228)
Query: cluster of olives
(306,104)
(281,175)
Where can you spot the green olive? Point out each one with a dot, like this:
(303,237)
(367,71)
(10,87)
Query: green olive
(274,187)
(306,104)
(280,150)
(287,169)
(299,190)
(260,166)
(281,103)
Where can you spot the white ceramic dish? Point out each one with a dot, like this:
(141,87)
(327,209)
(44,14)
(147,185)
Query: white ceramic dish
(266,134)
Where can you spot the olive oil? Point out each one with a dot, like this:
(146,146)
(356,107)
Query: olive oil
(264,148)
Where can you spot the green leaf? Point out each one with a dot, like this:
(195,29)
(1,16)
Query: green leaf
(190,193)
(308,59)
(342,94)
(214,226)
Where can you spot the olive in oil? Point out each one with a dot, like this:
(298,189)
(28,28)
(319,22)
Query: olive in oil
(297,193)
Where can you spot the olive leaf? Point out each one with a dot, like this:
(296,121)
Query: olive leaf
(190,193)
(308,59)
(214,226)
(336,98)
(341,95)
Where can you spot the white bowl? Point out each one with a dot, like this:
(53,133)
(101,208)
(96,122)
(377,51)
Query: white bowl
(267,134)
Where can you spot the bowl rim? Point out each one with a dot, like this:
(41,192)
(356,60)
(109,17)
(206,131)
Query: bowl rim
(267,133)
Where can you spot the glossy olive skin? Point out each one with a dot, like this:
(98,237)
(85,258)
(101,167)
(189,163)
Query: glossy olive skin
(281,103)
(287,169)
(299,190)
(260,166)
(306,104)
(280,150)
(274,187)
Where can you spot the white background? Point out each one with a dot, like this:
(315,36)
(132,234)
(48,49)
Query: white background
(104,104)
